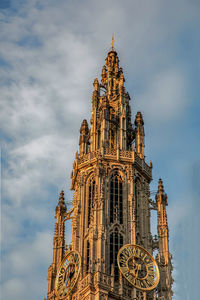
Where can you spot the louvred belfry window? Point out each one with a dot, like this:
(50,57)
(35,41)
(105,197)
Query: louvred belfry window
(90,199)
(116,199)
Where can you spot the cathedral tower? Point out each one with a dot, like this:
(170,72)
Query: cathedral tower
(111,208)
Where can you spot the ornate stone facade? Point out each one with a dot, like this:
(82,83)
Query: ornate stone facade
(111,205)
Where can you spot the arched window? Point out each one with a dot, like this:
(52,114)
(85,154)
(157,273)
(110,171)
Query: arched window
(123,123)
(98,138)
(116,199)
(112,138)
(87,256)
(90,199)
(117,89)
(116,242)
(136,192)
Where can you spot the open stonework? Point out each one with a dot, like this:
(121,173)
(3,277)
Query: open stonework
(112,204)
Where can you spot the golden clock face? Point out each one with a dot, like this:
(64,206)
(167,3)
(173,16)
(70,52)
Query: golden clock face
(68,274)
(138,266)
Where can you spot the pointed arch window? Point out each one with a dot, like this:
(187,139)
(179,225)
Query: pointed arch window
(91,195)
(112,138)
(116,242)
(116,199)
(136,191)
(98,138)
(117,89)
(123,123)
(87,256)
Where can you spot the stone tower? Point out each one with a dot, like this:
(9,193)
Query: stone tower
(111,205)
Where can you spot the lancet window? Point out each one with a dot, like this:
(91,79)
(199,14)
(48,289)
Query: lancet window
(136,192)
(116,242)
(87,256)
(116,199)
(99,138)
(117,89)
(91,194)
(112,137)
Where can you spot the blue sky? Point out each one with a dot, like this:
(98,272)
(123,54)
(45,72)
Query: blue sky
(50,53)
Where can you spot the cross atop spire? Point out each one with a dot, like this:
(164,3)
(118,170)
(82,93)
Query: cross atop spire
(113,41)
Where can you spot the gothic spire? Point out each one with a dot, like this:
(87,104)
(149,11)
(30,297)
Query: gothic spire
(164,257)
(58,241)
(112,78)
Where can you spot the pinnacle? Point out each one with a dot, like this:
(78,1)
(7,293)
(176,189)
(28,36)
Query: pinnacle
(160,186)
(84,127)
(62,194)
(84,122)
(139,119)
(61,199)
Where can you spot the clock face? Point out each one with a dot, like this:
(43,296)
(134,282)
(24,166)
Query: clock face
(68,274)
(138,266)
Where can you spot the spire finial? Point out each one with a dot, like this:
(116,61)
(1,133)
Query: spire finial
(139,119)
(113,41)
(160,186)
(61,199)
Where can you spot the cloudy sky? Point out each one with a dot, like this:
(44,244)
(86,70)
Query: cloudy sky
(50,53)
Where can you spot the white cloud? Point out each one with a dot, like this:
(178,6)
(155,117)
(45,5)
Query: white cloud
(32,166)
(22,263)
(14,288)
